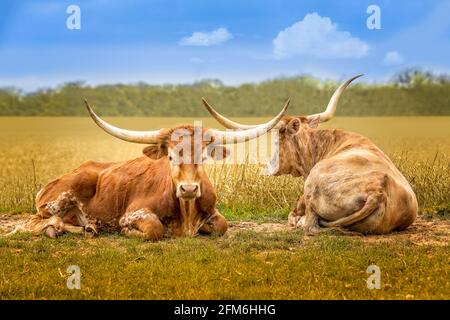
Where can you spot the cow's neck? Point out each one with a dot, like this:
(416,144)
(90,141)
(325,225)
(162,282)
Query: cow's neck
(190,219)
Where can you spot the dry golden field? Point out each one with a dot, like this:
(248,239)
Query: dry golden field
(36,150)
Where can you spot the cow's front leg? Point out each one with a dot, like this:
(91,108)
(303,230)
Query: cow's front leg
(142,223)
(295,217)
(216,224)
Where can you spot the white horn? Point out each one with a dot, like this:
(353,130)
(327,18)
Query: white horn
(147,137)
(227,137)
(227,123)
(332,104)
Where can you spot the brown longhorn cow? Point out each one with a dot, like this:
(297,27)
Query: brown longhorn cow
(349,182)
(166,192)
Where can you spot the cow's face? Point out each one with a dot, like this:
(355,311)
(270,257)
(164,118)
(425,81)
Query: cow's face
(186,150)
(290,141)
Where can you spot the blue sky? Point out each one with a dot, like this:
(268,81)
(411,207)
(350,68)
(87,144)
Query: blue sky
(169,41)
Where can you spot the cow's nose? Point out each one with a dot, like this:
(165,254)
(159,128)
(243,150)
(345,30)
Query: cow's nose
(189,190)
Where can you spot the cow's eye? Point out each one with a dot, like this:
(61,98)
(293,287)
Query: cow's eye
(170,158)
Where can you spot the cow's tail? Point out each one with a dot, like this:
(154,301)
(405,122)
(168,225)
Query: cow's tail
(375,201)
(35,225)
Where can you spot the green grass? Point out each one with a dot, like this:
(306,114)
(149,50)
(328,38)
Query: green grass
(245,265)
(251,212)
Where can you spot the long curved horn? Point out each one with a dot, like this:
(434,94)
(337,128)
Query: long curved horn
(227,123)
(332,104)
(147,137)
(228,137)
(323,116)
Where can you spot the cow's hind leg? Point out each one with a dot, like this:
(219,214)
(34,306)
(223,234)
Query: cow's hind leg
(312,224)
(52,226)
(70,209)
(56,226)
(143,224)
(64,214)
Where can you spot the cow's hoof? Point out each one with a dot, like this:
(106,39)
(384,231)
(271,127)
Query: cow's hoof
(90,231)
(51,232)
(311,231)
(301,222)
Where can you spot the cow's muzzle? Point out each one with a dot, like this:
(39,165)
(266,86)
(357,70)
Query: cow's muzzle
(188,191)
(272,168)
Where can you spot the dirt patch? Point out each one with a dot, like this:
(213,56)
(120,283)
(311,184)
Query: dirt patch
(9,221)
(422,232)
(262,227)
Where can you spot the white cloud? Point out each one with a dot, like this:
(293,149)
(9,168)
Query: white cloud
(205,39)
(393,58)
(317,37)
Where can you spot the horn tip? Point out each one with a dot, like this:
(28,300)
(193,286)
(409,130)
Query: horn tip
(353,78)
(86,103)
(88,107)
(206,104)
(288,101)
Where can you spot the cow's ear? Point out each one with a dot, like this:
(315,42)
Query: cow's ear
(293,126)
(313,122)
(219,153)
(155,151)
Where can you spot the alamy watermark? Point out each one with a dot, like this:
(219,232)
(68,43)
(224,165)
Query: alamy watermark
(73,21)
(374,280)
(373,22)
(74,279)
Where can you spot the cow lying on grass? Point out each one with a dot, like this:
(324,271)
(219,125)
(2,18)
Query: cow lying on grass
(165,192)
(349,182)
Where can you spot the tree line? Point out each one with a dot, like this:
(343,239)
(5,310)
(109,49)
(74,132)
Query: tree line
(411,92)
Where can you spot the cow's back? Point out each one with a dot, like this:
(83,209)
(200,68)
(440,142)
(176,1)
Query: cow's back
(81,183)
